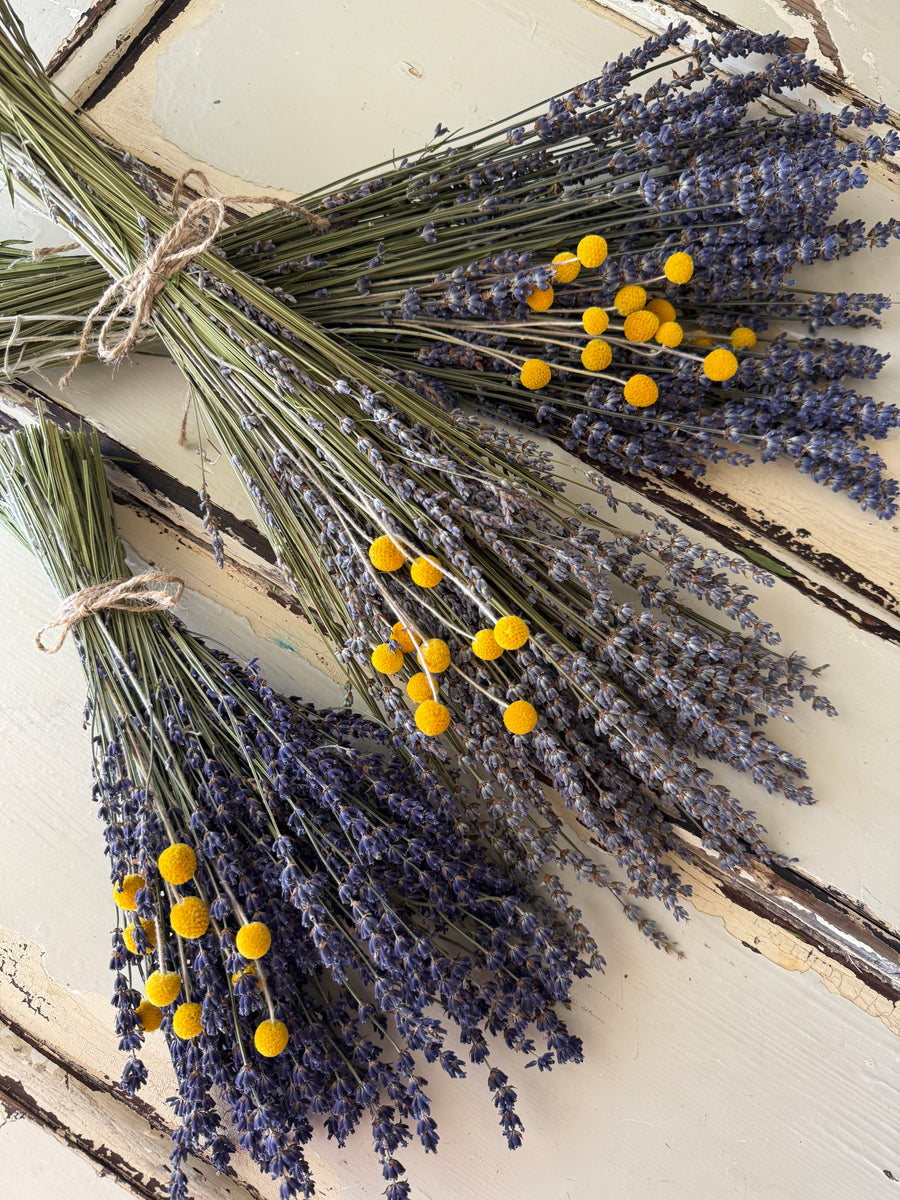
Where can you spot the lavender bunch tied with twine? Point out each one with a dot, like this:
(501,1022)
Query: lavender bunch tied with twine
(302,914)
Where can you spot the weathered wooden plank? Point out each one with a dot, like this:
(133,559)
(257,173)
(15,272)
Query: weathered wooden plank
(59,1067)
(155,516)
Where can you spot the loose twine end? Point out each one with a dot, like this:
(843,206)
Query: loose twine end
(148,592)
(193,233)
(41,252)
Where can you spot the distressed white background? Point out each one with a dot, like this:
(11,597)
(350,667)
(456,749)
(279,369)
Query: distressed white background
(728,1075)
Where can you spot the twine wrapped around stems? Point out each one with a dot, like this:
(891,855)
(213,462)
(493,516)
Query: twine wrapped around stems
(194,231)
(148,592)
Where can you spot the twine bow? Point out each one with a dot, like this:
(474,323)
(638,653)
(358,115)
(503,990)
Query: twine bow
(148,592)
(193,232)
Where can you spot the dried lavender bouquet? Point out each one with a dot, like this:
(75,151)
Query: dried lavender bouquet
(447,262)
(299,908)
(450,264)
(550,645)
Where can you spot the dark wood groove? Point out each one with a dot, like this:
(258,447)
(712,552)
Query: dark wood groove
(154,478)
(168,12)
(841,928)
(84,28)
(15,1098)
(754,527)
(828,82)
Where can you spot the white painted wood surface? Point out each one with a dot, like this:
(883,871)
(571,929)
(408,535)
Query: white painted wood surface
(727,1075)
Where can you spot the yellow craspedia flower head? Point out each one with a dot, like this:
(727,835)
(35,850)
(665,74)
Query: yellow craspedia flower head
(401,635)
(661,308)
(592,251)
(640,326)
(511,633)
(434,655)
(535,374)
(386,660)
(186,1021)
(540,299)
(520,717)
(720,365)
(419,688)
(177,863)
(567,267)
(743,338)
(386,555)
(432,718)
(702,339)
(679,267)
(670,334)
(162,987)
(270,1038)
(641,391)
(597,355)
(190,917)
(595,320)
(149,933)
(630,299)
(125,895)
(253,940)
(149,1016)
(425,572)
(484,645)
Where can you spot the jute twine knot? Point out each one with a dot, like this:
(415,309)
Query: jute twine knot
(194,231)
(149,592)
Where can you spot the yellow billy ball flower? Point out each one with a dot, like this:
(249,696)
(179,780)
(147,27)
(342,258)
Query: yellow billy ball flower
(540,299)
(520,717)
(702,339)
(595,320)
(435,655)
(743,338)
(162,987)
(177,863)
(597,355)
(535,374)
(253,940)
(567,267)
(670,334)
(641,391)
(270,1038)
(661,308)
(630,299)
(125,895)
(386,660)
(386,555)
(401,635)
(186,1021)
(425,572)
(149,1016)
(679,267)
(640,326)
(592,251)
(190,917)
(149,934)
(720,365)
(511,633)
(484,645)
(419,688)
(432,718)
